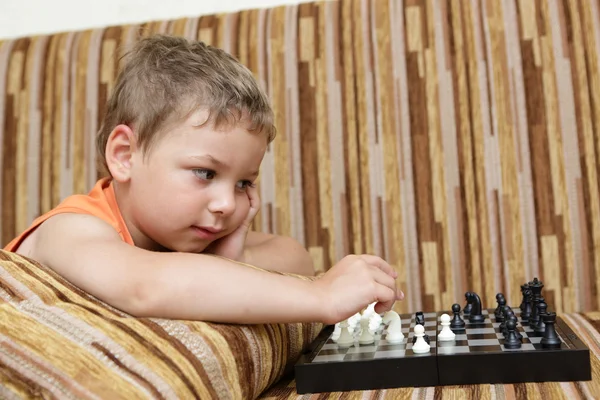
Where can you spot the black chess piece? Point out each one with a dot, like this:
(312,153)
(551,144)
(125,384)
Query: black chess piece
(525,298)
(457,322)
(420,318)
(508,314)
(550,339)
(514,319)
(526,313)
(511,341)
(468,306)
(540,327)
(498,309)
(501,309)
(475,316)
(536,287)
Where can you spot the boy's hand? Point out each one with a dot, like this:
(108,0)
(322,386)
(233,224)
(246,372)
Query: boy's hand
(232,246)
(355,282)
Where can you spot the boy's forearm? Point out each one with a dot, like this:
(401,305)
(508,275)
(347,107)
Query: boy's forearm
(281,254)
(202,287)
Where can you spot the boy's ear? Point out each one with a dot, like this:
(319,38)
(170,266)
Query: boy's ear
(120,147)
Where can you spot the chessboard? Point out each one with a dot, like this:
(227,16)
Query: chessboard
(478,353)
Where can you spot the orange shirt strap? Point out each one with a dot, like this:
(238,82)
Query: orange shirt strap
(99,202)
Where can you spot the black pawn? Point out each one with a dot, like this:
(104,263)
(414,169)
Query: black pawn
(511,341)
(498,311)
(508,314)
(526,313)
(501,310)
(514,319)
(540,327)
(525,298)
(457,322)
(550,339)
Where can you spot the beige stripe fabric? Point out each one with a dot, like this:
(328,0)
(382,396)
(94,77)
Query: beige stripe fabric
(459,140)
(60,342)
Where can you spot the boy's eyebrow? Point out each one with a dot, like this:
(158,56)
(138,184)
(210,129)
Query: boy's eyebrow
(217,162)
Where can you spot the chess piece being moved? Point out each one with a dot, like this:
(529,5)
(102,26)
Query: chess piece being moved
(420,345)
(446,335)
(457,324)
(394,330)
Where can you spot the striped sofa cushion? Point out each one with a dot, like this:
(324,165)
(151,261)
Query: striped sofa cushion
(58,341)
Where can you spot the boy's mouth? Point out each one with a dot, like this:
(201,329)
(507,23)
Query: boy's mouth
(206,232)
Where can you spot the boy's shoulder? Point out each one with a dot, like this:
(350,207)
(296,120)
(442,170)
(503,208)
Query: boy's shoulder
(100,202)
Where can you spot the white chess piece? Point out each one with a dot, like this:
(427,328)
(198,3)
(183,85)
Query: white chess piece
(420,345)
(446,335)
(353,322)
(394,330)
(336,332)
(346,339)
(375,322)
(365,337)
(369,311)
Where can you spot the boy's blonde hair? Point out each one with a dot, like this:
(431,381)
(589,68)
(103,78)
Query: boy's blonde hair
(167,77)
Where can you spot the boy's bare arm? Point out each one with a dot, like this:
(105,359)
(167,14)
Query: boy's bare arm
(89,253)
(278,253)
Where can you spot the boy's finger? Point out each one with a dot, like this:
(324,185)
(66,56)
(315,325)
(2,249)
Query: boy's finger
(380,263)
(254,197)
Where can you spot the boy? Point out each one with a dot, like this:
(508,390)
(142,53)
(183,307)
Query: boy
(165,235)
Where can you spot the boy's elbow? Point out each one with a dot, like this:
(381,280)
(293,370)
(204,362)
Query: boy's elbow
(307,267)
(140,299)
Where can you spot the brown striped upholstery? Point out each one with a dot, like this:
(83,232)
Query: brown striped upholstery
(56,340)
(460,140)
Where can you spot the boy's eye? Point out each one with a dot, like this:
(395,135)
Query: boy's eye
(243,185)
(206,174)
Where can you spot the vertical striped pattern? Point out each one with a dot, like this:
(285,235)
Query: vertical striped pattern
(459,140)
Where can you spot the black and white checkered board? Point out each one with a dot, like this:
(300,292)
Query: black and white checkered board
(380,348)
(477,355)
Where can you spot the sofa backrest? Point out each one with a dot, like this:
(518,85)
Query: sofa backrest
(459,141)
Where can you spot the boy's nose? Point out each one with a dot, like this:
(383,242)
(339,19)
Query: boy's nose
(222,202)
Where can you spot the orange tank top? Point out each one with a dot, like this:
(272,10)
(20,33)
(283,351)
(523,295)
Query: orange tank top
(99,202)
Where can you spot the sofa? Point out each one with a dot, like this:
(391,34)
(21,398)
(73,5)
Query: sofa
(458,140)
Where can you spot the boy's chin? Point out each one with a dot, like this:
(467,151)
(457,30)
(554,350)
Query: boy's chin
(185,247)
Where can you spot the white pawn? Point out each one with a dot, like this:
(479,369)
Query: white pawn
(394,330)
(346,339)
(420,345)
(446,335)
(365,337)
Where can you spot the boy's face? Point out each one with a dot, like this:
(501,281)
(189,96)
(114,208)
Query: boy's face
(192,188)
